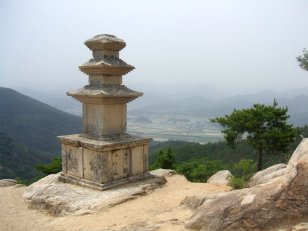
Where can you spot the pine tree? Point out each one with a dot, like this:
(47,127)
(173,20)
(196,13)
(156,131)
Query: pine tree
(165,159)
(264,126)
(303,60)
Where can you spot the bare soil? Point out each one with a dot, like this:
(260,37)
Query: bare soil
(159,210)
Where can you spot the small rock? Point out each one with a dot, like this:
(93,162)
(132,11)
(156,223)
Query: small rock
(7,182)
(221,177)
(163,172)
(193,202)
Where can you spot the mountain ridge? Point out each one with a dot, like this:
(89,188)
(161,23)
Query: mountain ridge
(28,133)
(33,123)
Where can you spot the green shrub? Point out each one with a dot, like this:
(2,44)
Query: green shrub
(242,172)
(165,159)
(237,182)
(27,181)
(245,168)
(54,167)
(199,170)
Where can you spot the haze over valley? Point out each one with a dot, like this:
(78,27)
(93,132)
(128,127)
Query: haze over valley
(184,114)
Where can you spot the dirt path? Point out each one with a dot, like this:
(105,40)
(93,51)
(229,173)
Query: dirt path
(159,210)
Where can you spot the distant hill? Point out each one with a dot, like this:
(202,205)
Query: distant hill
(17,160)
(200,101)
(57,100)
(206,107)
(34,124)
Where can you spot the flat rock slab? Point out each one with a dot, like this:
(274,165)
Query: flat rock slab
(60,199)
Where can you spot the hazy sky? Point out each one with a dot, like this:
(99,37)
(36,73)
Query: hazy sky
(235,45)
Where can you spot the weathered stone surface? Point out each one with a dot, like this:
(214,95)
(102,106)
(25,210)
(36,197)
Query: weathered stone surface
(196,201)
(221,177)
(106,66)
(301,227)
(7,182)
(105,144)
(283,199)
(105,42)
(103,164)
(105,94)
(61,199)
(163,172)
(267,174)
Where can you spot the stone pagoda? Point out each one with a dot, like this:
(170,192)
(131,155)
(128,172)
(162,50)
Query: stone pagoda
(104,155)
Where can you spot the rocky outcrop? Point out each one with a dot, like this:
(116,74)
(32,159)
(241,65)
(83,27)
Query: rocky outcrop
(221,177)
(61,199)
(267,174)
(282,199)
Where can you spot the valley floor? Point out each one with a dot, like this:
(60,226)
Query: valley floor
(160,210)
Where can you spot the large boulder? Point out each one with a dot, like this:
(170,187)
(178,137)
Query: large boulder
(221,177)
(282,199)
(60,198)
(267,174)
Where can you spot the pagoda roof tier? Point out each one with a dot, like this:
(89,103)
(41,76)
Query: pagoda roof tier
(105,94)
(106,65)
(105,42)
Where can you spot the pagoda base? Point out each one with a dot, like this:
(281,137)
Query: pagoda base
(94,185)
(102,164)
